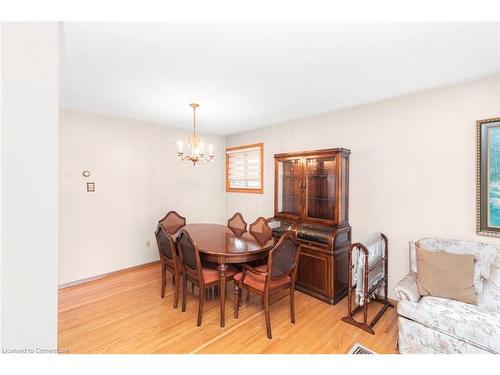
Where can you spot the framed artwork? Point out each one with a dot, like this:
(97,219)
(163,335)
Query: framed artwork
(488,177)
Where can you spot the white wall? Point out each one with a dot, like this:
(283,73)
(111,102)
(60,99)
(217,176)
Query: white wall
(412,171)
(30,106)
(138,179)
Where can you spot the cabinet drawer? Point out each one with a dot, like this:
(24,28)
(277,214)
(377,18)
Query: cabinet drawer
(314,271)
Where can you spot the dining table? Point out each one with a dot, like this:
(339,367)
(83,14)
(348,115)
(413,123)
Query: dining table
(223,245)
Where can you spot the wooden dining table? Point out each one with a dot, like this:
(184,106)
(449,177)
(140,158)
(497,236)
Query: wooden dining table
(219,244)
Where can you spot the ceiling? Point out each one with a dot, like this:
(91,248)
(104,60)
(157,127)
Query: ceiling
(248,75)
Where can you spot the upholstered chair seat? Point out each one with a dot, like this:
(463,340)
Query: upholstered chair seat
(211,274)
(258,282)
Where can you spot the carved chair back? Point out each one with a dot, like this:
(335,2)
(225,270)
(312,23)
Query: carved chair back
(237,222)
(172,222)
(261,226)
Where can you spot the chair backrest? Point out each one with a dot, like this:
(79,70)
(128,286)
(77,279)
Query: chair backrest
(172,222)
(237,222)
(188,251)
(261,226)
(284,257)
(166,244)
(237,232)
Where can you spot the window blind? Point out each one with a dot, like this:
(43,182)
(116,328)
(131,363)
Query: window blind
(244,168)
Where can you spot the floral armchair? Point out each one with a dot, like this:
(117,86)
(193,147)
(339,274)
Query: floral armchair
(437,325)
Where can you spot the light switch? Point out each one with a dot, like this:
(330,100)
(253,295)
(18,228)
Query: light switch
(90,187)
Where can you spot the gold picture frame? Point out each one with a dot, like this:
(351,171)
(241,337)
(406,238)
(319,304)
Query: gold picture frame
(485,204)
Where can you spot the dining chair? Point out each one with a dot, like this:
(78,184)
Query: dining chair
(194,271)
(279,273)
(237,222)
(167,249)
(169,261)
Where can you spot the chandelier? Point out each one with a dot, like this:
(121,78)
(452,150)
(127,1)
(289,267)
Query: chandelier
(194,145)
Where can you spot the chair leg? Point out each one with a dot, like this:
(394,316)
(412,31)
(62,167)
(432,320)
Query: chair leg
(184,288)
(268,317)
(173,279)
(292,304)
(237,292)
(163,281)
(176,288)
(201,302)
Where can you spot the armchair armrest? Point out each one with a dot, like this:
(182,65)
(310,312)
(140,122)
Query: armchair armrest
(406,289)
(247,268)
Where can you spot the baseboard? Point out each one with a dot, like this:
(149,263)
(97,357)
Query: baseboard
(97,277)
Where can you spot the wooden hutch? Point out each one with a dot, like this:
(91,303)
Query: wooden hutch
(311,191)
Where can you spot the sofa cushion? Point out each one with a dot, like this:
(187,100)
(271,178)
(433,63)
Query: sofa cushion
(461,320)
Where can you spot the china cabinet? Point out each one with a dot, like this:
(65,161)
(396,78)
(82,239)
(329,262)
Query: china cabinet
(311,198)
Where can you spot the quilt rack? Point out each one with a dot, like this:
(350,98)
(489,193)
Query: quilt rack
(369,259)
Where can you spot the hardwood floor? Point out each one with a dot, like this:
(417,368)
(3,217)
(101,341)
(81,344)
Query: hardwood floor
(124,313)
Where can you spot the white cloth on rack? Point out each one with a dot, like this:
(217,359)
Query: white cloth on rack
(376,250)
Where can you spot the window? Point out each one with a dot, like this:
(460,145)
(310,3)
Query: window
(244,168)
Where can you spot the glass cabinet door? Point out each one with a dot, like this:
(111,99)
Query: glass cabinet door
(320,181)
(289,187)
